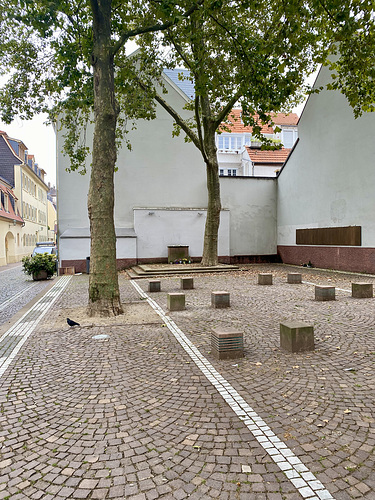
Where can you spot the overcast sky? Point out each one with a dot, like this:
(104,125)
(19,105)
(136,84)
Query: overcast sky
(40,141)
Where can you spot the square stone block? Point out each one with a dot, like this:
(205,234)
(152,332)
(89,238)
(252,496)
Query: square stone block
(176,301)
(324,293)
(296,336)
(227,344)
(294,278)
(154,286)
(67,270)
(264,279)
(187,283)
(220,300)
(362,290)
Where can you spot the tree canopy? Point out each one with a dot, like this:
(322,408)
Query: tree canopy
(68,58)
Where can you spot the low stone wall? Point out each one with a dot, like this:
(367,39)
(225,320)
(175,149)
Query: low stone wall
(356,259)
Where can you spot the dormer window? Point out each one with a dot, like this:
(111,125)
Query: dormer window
(5,201)
(288,137)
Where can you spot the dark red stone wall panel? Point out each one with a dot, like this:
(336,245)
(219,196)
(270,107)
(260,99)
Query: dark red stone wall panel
(356,259)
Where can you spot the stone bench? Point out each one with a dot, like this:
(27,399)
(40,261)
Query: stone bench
(219,300)
(296,336)
(264,279)
(227,344)
(176,301)
(154,286)
(294,278)
(187,283)
(325,292)
(362,290)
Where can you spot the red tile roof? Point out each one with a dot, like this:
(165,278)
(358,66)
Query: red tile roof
(11,215)
(276,157)
(235,124)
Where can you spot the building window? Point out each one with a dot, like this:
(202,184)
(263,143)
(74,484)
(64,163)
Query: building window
(288,138)
(234,172)
(221,172)
(229,142)
(229,172)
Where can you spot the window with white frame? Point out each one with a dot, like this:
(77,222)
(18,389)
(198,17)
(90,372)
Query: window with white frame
(229,142)
(288,137)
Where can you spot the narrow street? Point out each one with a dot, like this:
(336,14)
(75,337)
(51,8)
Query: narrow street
(16,290)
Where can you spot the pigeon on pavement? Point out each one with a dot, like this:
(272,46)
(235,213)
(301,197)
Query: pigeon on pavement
(71,322)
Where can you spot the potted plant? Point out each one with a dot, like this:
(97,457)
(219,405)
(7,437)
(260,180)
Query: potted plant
(41,267)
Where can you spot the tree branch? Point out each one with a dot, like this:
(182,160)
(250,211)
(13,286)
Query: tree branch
(198,120)
(151,29)
(224,112)
(179,120)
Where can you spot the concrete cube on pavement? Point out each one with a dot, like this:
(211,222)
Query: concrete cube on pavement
(294,278)
(219,300)
(296,336)
(323,293)
(176,301)
(154,286)
(227,344)
(264,279)
(187,283)
(362,290)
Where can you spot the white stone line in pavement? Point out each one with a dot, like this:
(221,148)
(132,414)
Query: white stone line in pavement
(24,327)
(314,284)
(6,303)
(307,484)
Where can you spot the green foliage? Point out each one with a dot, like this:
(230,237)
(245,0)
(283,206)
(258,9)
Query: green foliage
(40,262)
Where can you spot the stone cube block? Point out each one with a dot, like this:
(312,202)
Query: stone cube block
(264,279)
(294,278)
(67,270)
(220,300)
(227,344)
(323,293)
(187,283)
(154,286)
(176,301)
(296,336)
(362,290)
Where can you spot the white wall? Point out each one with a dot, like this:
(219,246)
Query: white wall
(252,205)
(157,228)
(329,179)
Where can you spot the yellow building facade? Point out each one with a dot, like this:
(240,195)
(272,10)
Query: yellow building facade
(24,222)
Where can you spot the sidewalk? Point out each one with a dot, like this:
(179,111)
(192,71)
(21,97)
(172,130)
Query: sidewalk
(135,415)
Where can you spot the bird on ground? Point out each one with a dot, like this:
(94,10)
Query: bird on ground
(71,322)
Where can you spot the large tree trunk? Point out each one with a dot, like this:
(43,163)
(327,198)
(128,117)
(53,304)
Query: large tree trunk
(210,247)
(104,295)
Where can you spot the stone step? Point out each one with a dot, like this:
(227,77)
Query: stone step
(144,271)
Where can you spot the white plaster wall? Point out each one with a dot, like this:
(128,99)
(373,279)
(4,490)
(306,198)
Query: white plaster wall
(252,204)
(158,228)
(265,170)
(329,179)
(74,248)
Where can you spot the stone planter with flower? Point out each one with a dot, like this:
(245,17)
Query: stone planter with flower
(41,267)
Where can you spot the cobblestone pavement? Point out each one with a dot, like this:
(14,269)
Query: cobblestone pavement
(16,290)
(131,415)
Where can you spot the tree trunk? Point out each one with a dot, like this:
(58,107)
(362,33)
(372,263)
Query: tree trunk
(104,295)
(210,247)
